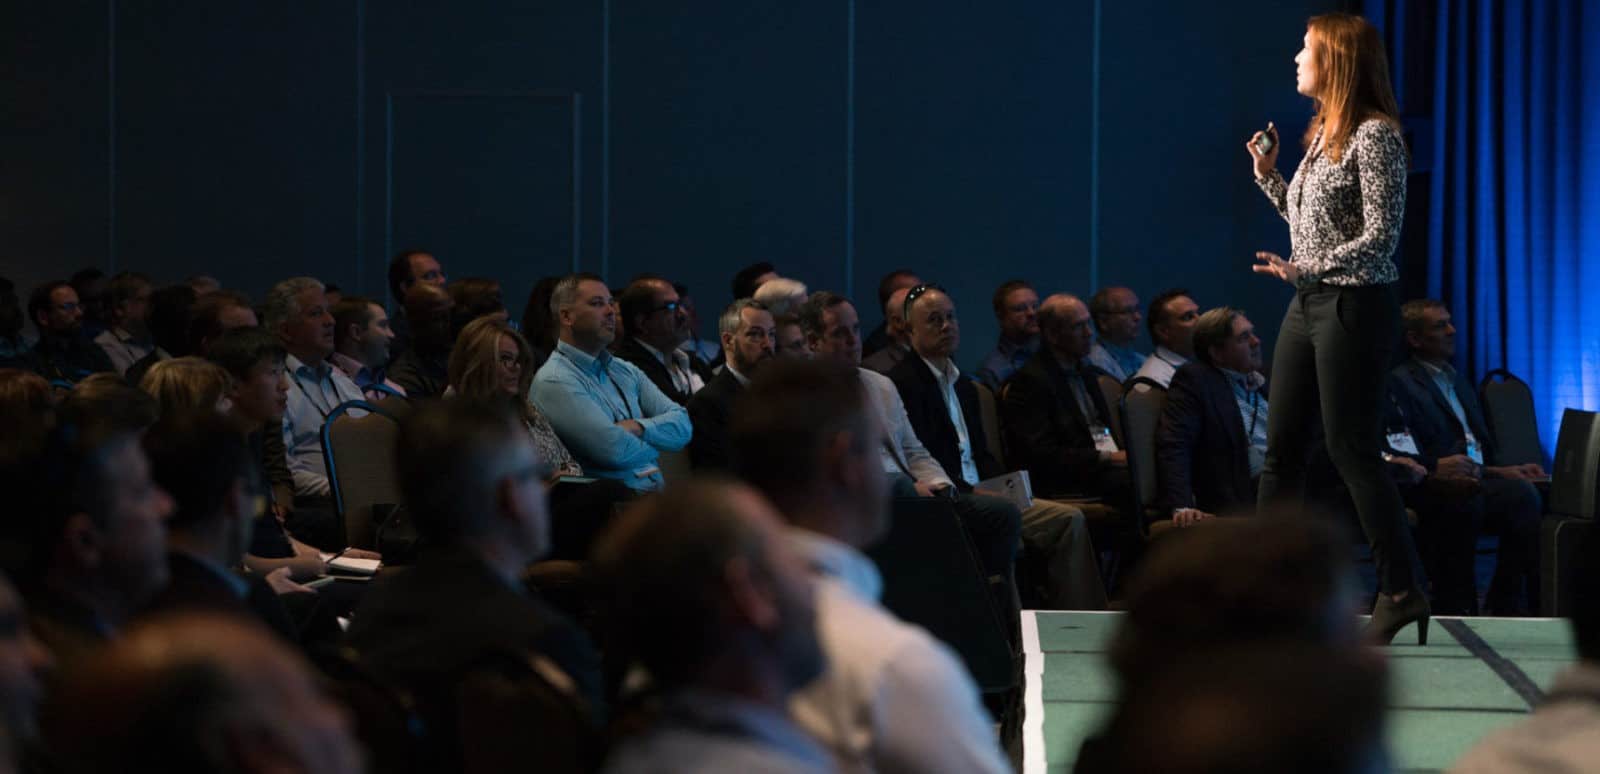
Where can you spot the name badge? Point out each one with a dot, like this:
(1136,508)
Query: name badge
(1103,441)
(1474,451)
(1403,442)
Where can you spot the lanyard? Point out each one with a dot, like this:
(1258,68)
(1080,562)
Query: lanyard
(627,408)
(314,403)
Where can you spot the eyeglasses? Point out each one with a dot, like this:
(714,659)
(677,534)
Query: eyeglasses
(670,306)
(508,360)
(914,293)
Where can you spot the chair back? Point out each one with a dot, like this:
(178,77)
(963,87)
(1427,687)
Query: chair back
(396,405)
(1508,408)
(1140,409)
(1111,390)
(523,713)
(932,578)
(385,717)
(1575,476)
(989,413)
(675,467)
(359,452)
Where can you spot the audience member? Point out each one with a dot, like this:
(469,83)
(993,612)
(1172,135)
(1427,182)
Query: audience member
(655,325)
(789,338)
(612,417)
(198,693)
(746,280)
(781,295)
(897,279)
(407,269)
(746,328)
(105,403)
(126,338)
(1056,419)
(723,617)
(474,487)
(474,297)
(361,339)
(707,351)
(422,369)
(1212,439)
(834,333)
(201,461)
(64,351)
(170,309)
(1173,315)
(1459,496)
(23,662)
(491,365)
(942,406)
(539,323)
(202,284)
(1116,317)
(27,414)
(892,698)
(187,384)
(99,537)
(334,293)
(295,311)
(1016,307)
(898,332)
(13,350)
(90,285)
(214,314)
(1560,735)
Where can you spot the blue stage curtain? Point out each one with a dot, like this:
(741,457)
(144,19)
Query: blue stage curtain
(1514,206)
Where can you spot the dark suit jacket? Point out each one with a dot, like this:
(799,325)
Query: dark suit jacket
(632,351)
(709,411)
(1202,454)
(422,625)
(419,375)
(1046,433)
(884,360)
(192,586)
(1427,414)
(930,418)
(68,359)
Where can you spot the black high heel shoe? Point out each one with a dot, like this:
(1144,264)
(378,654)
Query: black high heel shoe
(1389,617)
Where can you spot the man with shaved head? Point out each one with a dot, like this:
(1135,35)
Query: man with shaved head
(1056,419)
(198,693)
(656,323)
(898,343)
(1116,316)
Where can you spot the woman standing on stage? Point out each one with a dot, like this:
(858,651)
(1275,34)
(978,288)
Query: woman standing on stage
(1344,208)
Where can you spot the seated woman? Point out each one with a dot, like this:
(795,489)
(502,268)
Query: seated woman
(492,362)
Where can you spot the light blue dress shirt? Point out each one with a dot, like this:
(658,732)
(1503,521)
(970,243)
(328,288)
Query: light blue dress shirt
(314,392)
(584,396)
(1120,362)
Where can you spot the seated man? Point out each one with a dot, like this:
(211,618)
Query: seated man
(170,311)
(474,487)
(296,312)
(1116,316)
(892,698)
(610,415)
(1055,417)
(898,279)
(1016,307)
(422,370)
(198,693)
(992,524)
(126,338)
(63,352)
(1173,315)
(898,343)
(1460,497)
(790,339)
(361,339)
(747,279)
(719,610)
(942,405)
(746,329)
(1212,439)
(655,325)
(214,314)
(407,269)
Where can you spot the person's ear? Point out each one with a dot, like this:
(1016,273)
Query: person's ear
(753,597)
(82,540)
(727,341)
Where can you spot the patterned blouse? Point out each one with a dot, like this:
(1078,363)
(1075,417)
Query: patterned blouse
(550,447)
(1344,218)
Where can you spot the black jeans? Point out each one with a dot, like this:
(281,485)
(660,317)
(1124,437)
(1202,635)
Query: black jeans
(1450,519)
(1332,356)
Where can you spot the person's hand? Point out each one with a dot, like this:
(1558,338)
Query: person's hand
(278,580)
(931,489)
(1275,265)
(1413,470)
(279,512)
(1533,470)
(1116,459)
(1262,164)
(1188,517)
(361,553)
(1458,466)
(632,426)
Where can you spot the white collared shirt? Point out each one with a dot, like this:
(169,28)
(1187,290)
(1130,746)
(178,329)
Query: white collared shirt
(901,444)
(684,379)
(947,377)
(892,698)
(1161,365)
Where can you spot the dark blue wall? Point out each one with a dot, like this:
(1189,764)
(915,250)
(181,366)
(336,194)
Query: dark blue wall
(1061,142)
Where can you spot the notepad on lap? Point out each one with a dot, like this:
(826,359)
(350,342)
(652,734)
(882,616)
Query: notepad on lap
(1013,486)
(354,566)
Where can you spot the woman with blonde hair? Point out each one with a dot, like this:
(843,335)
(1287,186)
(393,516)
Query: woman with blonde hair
(186,384)
(491,362)
(1344,207)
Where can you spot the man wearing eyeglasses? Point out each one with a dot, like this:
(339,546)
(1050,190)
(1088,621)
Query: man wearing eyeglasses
(1016,308)
(1116,316)
(655,324)
(63,353)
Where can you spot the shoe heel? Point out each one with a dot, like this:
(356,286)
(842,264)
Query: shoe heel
(1422,630)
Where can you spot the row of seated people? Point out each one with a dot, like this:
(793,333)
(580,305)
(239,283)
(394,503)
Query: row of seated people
(748,605)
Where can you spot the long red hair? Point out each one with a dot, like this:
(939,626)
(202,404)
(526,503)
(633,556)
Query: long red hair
(1352,79)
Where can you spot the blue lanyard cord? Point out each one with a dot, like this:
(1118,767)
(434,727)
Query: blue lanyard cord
(627,408)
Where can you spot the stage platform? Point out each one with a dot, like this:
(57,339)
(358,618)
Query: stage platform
(1475,675)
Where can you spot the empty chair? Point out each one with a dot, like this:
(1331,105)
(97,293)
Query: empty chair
(1508,408)
(359,452)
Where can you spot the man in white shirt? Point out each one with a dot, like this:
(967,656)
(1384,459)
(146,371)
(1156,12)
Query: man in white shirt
(655,325)
(1173,315)
(892,699)
(126,338)
(297,312)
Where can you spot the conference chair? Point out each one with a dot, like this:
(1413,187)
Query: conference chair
(1508,408)
(1111,390)
(1574,504)
(385,717)
(359,453)
(1140,411)
(521,712)
(989,413)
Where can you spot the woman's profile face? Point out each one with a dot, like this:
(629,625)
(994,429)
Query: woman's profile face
(509,365)
(1305,71)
